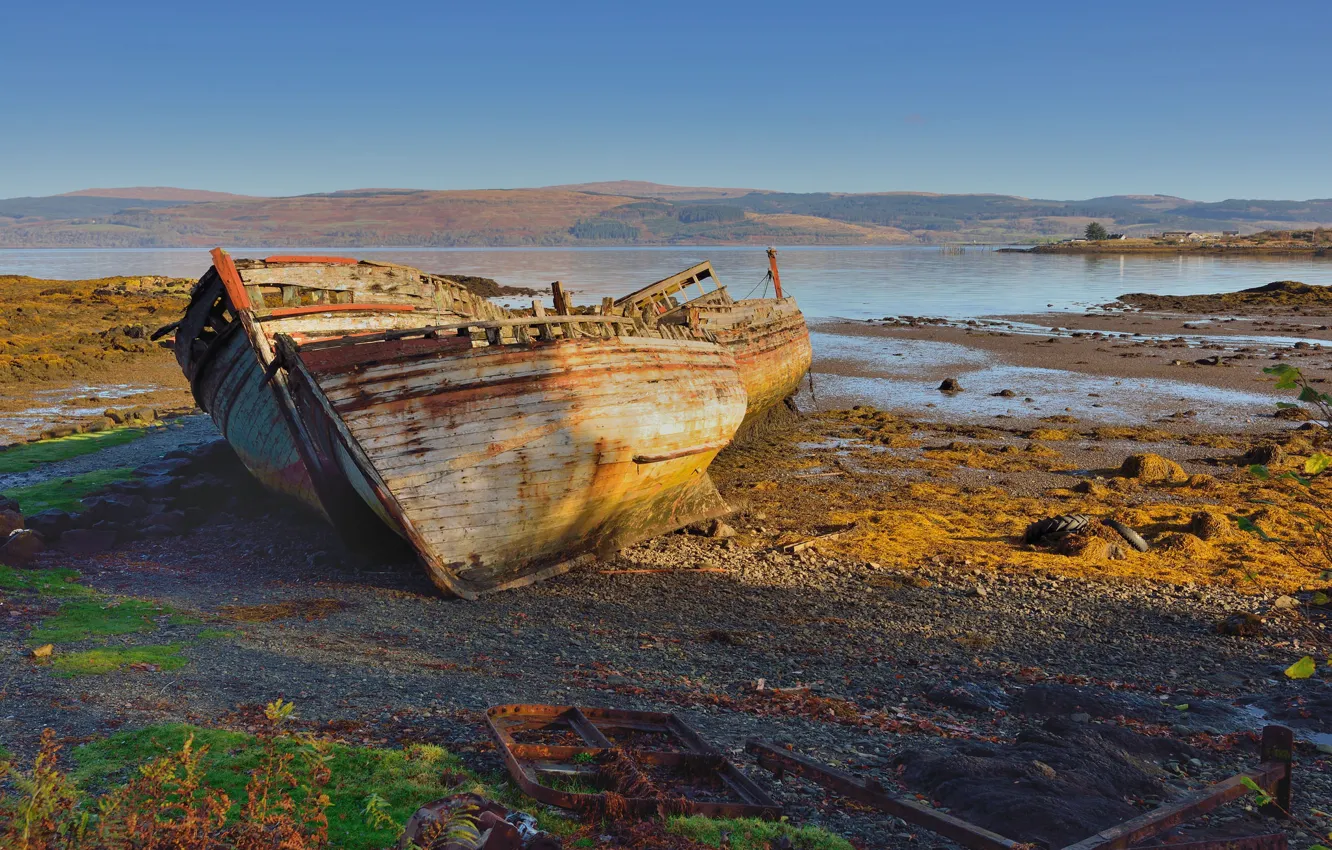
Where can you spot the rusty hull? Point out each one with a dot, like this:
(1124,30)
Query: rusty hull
(503,457)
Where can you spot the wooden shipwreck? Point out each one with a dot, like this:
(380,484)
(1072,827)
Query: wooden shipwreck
(500,445)
(767,336)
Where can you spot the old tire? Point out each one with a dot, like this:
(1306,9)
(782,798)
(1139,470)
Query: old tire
(1055,526)
(1134,538)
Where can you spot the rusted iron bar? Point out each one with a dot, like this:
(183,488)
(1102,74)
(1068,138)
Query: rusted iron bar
(772,267)
(1270,775)
(1275,841)
(872,793)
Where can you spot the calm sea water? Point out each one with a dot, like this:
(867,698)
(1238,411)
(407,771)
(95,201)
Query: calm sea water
(855,283)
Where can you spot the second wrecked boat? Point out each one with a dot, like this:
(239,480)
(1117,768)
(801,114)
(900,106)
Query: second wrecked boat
(500,446)
(767,336)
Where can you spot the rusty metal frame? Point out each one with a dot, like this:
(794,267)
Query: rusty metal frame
(597,728)
(1273,775)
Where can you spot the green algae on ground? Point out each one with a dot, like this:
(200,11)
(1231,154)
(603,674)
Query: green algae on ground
(753,834)
(26,456)
(81,619)
(65,494)
(92,662)
(403,778)
(53,582)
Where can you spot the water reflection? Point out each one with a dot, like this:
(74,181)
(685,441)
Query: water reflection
(849,282)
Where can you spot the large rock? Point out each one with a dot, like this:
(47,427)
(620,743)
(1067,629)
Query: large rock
(10,521)
(115,508)
(8,504)
(130,415)
(1153,469)
(51,524)
(21,547)
(87,541)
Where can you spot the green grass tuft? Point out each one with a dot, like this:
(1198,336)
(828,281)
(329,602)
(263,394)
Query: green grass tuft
(216,634)
(405,778)
(94,662)
(64,493)
(56,582)
(81,619)
(753,834)
(26,456)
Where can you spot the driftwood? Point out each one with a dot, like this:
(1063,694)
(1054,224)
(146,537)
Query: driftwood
(801,546)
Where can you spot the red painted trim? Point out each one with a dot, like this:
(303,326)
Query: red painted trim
(330,261)
(231,282)
(284,312)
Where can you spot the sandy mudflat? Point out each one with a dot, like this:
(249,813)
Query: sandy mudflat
(1100,366)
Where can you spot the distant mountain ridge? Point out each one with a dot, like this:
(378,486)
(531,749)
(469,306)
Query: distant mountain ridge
(155,193)
(622,212)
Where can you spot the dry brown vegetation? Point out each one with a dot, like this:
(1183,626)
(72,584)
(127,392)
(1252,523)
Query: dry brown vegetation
(56,329)
(931,512)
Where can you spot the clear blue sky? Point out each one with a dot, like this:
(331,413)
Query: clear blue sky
(1067,100)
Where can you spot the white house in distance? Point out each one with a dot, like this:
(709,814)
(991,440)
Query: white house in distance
(1181,236)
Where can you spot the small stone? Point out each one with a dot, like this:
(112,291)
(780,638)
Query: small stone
(1044,769)
(1267,454)
(1286,602)
(1241,624)
(1004,394)
(1080,717)
(43,651)
(720,530)
(22,547)
(950,385)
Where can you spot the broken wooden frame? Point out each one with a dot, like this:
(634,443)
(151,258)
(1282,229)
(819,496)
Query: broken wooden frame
(644,741)
(1273,775)
(662,295)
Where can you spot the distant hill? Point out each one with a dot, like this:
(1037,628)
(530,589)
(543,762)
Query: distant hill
(615,213)
(154,193)
(659,191)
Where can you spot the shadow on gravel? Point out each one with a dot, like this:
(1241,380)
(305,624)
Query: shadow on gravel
(1058,783)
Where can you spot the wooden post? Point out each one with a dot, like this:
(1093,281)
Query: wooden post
(607,306)
(561,298)
(1278,741)
(772,268)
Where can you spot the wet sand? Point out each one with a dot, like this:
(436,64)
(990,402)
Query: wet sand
(1187,371)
